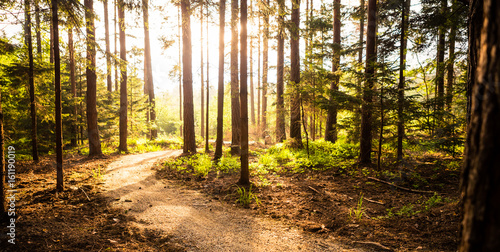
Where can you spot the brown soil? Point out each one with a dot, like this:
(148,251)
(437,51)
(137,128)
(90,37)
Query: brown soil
(320,203)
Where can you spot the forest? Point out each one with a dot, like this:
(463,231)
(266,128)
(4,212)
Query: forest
(201,125)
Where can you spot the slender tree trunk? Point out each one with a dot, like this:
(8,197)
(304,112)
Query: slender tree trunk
(265,69)
(38,30)
(451,61)
(280,102)
(440,67)
(331,119)
(381,131)
(72,77)
(117,64)
(405,15)
(123,80)
(481,175)
(92,127)
(189,133)
(28,41)
(220,89)
(208,90)
(51,44)
(359,87)
(252,91)
(58,112)
(180,69)
(258,80)
(366,108)
(202,124)
(235,102)
(295,127)
(149,73)
(108,52)
(245,173)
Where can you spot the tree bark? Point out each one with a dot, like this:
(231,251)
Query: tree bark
(252,91)
(189,133)
(117,64)
(123,80)
(149,73)
(220,89)
(202,124)
(481,176)
(245,173)
(405,15)
(366,107)
(235,102)
(38,30)
(331,119)
(72,77)
(265,69)
(92,127)
(295,127)
(208,90)
(475,26)
(28,41)
(58,107)
(280,102)
(181,128)
(108,52)
(440,67)
(451,61)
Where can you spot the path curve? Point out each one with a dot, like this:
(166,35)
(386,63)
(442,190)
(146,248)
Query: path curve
(193,219)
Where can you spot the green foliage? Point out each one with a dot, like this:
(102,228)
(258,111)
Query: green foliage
(246,197)
(432,202)
(357,213)
(407,210)
(228,163)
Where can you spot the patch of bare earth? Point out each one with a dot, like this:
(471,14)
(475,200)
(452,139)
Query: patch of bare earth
(195,222)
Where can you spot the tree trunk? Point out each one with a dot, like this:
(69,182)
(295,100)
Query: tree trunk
(220,89)
(202,124)
(440,67)
(180,70)
(280,102)
(208,90)
(331,119)
(475,26)
(72,77)
(265,69)
(123,80)
(252,91)
(92,127)
(28,41)
(295,127)
(451,61)
(149,73)
(58,109)
(481,175)
(245,173)
(38,30)
(189,134)
(366,107)
(235,102)
(258,79)
(405,15)
(108,52)
(117,64)
(51,44)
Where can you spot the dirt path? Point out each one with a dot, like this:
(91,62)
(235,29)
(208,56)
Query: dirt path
(192,219)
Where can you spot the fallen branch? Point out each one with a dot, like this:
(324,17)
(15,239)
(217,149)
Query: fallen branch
(399,187)
(376,244)
(314,189)
(85,193)
(374,201)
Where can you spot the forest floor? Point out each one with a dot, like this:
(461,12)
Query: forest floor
(129,203)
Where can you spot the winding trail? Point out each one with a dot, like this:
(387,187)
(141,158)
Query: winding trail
(194,220)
